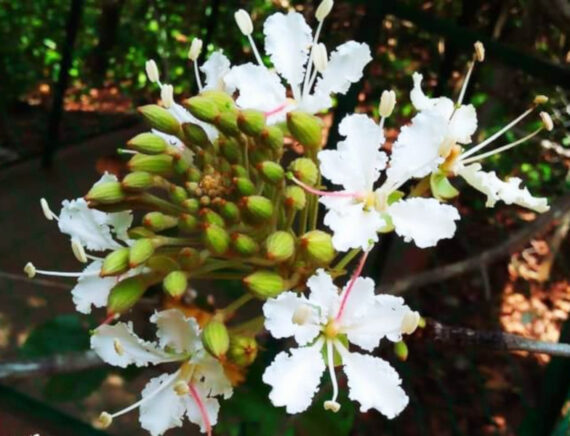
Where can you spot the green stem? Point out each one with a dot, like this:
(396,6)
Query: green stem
(231,308)
(341,265)
(165,240)
(158,203)
(249,328)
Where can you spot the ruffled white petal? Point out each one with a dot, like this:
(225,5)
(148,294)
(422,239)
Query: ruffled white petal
(176,331)
(357,161)
(215,68)
(92,290)
(211,407)
(324,294)
(360,300)
(463,124)
(165,409)
(374,384)
(423,220)
(495,189)
(279,314)
(118,345)
(441,105)
(287,42)
(295,378)
(211,374)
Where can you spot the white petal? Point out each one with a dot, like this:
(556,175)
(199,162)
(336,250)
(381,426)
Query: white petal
(211,407)
(211,373)
(416,151)
(442,105)
(495,189)
(374,384)
(258,88)
(118,345)
(176,331)
(215,68)
(463,124)
(324,293)
(423,220)
(313,103)
(165,409)
(287,42)
(279,313)
(357,161)
(360,300)
(295,378)
(345,67)
(88,226)
(92,290)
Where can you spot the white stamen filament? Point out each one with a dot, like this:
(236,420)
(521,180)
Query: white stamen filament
(31,271)
(330,364)
(255,51)
(465,83)
(306,82)
(197,76)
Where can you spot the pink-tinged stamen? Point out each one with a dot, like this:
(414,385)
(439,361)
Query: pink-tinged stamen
(276,110)
(355,275)
(340,194)
(109,319)
(194,394)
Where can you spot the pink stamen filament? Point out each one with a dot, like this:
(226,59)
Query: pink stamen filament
(312,190)
(276,110)
(355,275)
(196,396)
(109,318)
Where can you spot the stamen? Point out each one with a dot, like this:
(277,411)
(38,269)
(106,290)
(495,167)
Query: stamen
(355,275)
(118,347)
(197,76)
(306,82)
(78,250)
(479,55)
(47,211)
(31,271)
(332,404)
(255,51)
(181,388)
(194,394)
(276,110)
(167,95)
(105,420)
(152,71)
(324,193)
(410,322)
(547,121)
(193,54)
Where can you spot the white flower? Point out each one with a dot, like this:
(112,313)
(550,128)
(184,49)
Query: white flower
(167,398)
(329,323)
(358,212)
(289,43)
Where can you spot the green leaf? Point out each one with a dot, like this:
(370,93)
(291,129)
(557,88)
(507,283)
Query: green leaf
(441,188)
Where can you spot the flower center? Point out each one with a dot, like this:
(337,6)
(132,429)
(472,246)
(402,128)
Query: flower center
(332,329)
(451,158)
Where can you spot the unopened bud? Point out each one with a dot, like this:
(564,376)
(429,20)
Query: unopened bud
(125,294)
(317,246)
(160,119)
(244,244)
(140,251)
(251,122)
(104,420)
(148,143)
(106,193)
(243,350)
(227,123)
(189,258)
(191,205)
(271,171)
(195,49)
(177,194)
(243,21)
(333,406)
(221,99)
(230,149)
(244,186)
(324,9)
(305,170)
(78,250)
(160,164)
(115,263)
(479,51)
(302,314)
(265,284)
(401,350)
(209,216)
(175,283)
(239,171)
(320,57)
(295,197)
(216,239)
(157,221)
(306,128)
(181,388)
(137,181)
(216,339)
(230,212)
(387,103)
(167,96)
(46,210)
(272,137)
(151,71)
(280,246)
(140,232)
(195,134)
(258,208)
(547,121)
(202,108)
(410,322)
(30,270)
(540,99)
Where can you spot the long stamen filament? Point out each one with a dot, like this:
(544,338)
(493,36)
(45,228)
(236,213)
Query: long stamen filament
(196,396)
(465,83)
(348,290)
(66,274)
(197,74)
(324,193)
(255,51)
(306,86)
(330,358)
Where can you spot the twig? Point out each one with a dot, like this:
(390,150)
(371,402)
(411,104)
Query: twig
(514,243)
(495,340)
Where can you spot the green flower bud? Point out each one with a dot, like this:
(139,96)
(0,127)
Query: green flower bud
(222,100)
(148,143)
(195,134)
(209,216)
(258,208)
(239,171)
(226,122)
(126,293)
(230,149)
(175,283)
(193,174)
(137,181)
(243,350)
(280,246)
(216,239)
(401,350)
(188,223)
(271,171)
(156,164)
(244,244)
(162,264)
(295,198)
(230,212)
(106,193)
(177,194)
(272,137)
(251,122)
(202,108)
(265,284)
(180,165)
(258,155)
(306,128)
(140,251)
(189,258)
(216,338)
(305,170)
(115,263)
(160,119)
(157,221)
(244,186)
(140,232)
(317,246)
(191,205)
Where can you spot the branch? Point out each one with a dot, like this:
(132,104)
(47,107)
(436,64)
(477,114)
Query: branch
(495,340)
(514,243)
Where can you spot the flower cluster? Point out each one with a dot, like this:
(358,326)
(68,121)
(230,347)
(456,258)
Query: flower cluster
(228,184)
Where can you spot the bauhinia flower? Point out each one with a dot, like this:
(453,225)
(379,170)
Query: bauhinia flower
(299,59)
(438,133)
(95,231)
(324,324)
(190,390)
(359,211)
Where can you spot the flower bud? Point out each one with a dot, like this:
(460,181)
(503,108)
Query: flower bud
(221,99)
(272,137)
(193,174)
(175,283)
(244,244)
(230,149)
(140,232)
(271,171)
(151,71)
(167,96)
(115,263)
(202,108)
(106,193)
(317,246)
(305,170)
(195,49)
(140,251)
(258,208)
(479,51)
(195,134)
(226,122)
(230,212)
(243,350)
(137,181)
(162,264)
(189,258)
(320,57)
(160,119)
(280,246)
(243,21)
(547,121)
(251,122)
(78,250)
(244,186)
(191,205)
(177,194)
(265,284)
(148,143)
(188,223)
(306,128)
(324,9)
(295,197)
(216,338)
(209,216)
(239,171)
(401,350)
(387,103)
(216,239)
(157,221)
(125,294)
(160,164)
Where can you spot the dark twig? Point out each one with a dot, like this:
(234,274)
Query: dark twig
(56,364)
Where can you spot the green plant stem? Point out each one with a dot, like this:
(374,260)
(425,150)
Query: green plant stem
(158,203)
(341,265)
(231,308)
(252,327)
